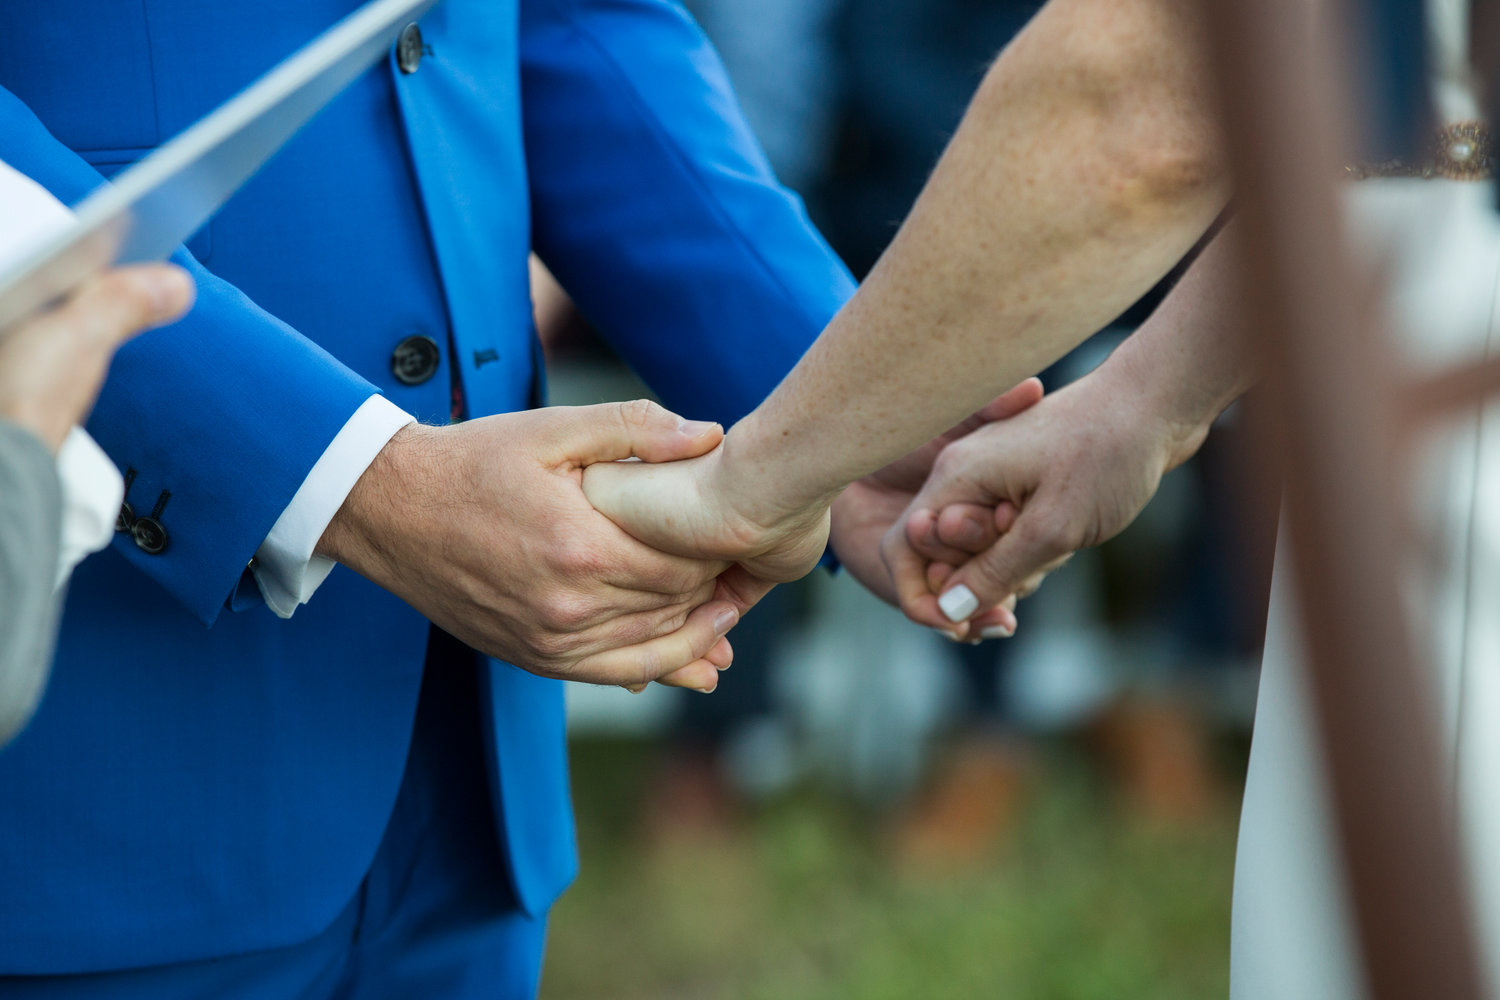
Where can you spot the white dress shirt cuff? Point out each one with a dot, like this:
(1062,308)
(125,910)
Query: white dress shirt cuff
(285,568)
(92,492)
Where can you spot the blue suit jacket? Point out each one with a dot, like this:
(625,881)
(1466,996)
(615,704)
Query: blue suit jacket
(203,777)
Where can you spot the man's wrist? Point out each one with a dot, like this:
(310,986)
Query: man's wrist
(353,537)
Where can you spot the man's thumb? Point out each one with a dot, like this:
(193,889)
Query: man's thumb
(638,428)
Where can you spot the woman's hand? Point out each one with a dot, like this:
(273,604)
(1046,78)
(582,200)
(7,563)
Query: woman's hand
(695,508)
(868,509)
(1011,502)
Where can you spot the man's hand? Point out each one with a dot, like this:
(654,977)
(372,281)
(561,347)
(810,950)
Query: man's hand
(484,529)
(705,507)
(1013,500)
(51,366)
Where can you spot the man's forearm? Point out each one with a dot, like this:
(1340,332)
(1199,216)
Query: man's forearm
(1085,168)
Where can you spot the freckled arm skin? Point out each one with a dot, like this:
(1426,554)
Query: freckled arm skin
(1088,163)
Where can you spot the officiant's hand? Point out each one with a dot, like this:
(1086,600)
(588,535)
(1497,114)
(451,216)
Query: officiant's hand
(483,528)
(1012,501)
(51,366)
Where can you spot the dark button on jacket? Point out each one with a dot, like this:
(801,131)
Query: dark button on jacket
(150,537)
(409,49)
(415,360)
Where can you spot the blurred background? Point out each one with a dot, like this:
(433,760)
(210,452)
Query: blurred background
(864,809)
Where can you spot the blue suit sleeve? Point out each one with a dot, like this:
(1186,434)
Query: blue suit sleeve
(656,209)
(220,416)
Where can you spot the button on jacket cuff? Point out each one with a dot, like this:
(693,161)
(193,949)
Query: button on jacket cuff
(286,570)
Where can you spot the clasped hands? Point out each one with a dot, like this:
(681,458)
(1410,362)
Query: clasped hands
(530,537)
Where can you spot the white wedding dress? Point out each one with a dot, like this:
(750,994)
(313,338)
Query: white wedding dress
(1438,244)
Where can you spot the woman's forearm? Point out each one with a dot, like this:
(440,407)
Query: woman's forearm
(1191,358)
(1087,165)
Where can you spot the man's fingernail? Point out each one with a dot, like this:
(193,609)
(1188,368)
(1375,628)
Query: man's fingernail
(634,688)
(696,428)
(948,633)
(707,688)
(996,632)
(725,620)
(958,604)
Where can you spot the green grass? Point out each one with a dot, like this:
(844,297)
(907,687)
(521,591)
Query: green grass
(806,905)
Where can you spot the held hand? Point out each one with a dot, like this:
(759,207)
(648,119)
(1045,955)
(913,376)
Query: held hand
(51,366)
(700,507)
(1013,500)
(694,509)
(483,528)
(866,511)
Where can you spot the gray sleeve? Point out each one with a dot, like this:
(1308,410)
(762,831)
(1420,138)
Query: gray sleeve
(30,536)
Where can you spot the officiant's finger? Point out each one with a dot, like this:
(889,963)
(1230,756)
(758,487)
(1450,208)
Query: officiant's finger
(638,428)
(656,658)
(120,303)
(1032,546)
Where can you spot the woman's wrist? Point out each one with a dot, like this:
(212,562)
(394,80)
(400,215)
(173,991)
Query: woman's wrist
(759,475)
(1171,390)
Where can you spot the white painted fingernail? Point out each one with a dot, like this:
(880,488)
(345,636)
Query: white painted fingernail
(958,604)
(996,632)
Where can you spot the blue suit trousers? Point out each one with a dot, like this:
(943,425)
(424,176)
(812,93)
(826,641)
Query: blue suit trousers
(434,917)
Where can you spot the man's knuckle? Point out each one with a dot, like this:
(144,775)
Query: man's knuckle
(582,561)
(637,413)
(564,615)
(551,646)
(631,631)
(649,663)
